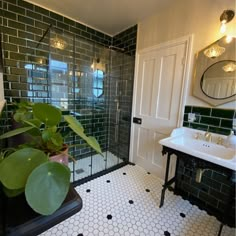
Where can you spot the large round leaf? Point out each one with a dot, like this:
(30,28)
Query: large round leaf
(13,192)
(46,113)
(47,187)
(15,169)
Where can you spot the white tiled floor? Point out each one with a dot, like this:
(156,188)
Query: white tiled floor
(125,202)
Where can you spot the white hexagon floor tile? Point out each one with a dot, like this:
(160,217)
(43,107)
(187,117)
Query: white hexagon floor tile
(126,201)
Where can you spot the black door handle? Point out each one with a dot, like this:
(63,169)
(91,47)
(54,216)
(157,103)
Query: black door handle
(137,120)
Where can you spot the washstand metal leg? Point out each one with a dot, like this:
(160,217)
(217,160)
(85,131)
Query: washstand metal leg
(166,180)
(220,230)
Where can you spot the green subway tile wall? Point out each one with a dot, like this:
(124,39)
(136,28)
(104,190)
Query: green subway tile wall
(22,26)
(214,120)
(126,40)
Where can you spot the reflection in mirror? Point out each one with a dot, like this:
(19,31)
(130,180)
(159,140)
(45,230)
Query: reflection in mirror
(215,72)
(98,83)
(219,80)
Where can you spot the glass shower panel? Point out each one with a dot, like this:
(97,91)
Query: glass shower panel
(115,96)
(83,52)
(121,83)
(37,70)
(61,65)
(100,68)
(92,83)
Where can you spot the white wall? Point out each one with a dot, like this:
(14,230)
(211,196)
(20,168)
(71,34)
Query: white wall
(184,17)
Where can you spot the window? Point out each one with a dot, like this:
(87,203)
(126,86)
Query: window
(98,77)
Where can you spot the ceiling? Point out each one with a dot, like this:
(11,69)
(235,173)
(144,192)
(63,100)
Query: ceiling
(108,16)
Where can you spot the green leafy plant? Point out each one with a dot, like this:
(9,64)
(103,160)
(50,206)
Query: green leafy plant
(28,168)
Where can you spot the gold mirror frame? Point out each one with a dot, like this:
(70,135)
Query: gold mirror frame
(204,61)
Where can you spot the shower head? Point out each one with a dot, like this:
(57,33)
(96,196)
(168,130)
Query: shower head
(117,48)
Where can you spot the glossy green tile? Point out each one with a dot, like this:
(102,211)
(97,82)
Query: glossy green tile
(11,78)
(80,26)
(191,189)
(17,25)
(55,16)
(25,35)
(25,4)
(33,15)
(9,62)
(9,31)
(207,198)
(212,183)
(225,189)
(91,31)
(25,20)
(219,130)
(49,20)
(223,113)
(41,10)
(69,21)
(220,177)
(75,30)
(17,56)
(226,123)
(26,50)
(34,30)
(62,25)
(31,44)
(10,15)
(9,47)
(12,1)
(18,71)
(210,120)
(85,34)
(42,53)
(18,41)
(198,126)
(185,117)
(12,93)
(16,9)
(203,111)
(41,25)
(219,195)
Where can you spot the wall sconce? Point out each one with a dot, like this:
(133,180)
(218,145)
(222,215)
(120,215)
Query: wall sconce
(229,67)
(214,51)
(58,43)
(225,17)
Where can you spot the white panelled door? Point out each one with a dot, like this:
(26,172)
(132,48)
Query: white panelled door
(158,96)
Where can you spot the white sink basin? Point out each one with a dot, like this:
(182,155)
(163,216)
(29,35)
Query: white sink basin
(184,140)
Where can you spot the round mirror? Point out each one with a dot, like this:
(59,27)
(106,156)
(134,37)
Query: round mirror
(219,80)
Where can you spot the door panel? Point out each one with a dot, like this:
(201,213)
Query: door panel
(146,100)
(158,96)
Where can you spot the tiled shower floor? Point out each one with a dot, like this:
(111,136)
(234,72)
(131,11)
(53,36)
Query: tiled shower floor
(125,202)
(85,167)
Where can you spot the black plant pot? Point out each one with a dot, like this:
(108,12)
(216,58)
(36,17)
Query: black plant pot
(17,218)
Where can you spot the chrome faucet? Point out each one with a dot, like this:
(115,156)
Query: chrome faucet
(197,136)
(220,141)
(208,137)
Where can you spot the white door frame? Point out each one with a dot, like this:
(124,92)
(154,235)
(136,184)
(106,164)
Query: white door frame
(188,41)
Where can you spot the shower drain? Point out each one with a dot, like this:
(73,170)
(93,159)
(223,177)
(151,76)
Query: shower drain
(79,171)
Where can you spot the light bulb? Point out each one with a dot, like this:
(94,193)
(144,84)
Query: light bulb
(222,27)
(229,39)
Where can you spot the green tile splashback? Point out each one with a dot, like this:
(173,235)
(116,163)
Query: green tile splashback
(214,120)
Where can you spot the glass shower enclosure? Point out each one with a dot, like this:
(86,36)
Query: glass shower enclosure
(92,82)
